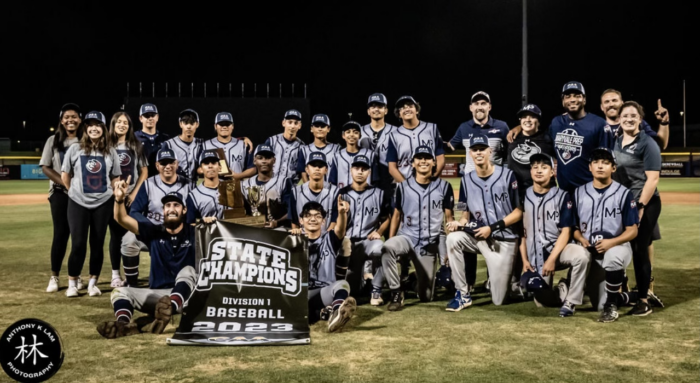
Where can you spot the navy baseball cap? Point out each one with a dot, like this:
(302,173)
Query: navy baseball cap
(70,106)
(165,154)
(320,120)
(532,280)
(209,156)
(264,149)
(478,140)
(360,159)
(148,108)
(172,196)
(573,87)
(351,125)
(530,108)
(317,157)
(424,151)
(541,157)
(292,114)
(95,115)
(189,111)
(594,238)
(223,117)
(481,95)
(603,153)
(376,98)
(405,100)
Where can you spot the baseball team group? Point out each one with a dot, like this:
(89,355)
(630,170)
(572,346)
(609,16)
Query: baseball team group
(578,197)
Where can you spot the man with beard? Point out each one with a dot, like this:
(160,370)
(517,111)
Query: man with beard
(151,138)
(274,204)
(186,146)
(203,201)
(173,276)
(610,103)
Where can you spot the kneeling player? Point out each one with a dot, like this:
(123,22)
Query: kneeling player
(172,275)
(326,293)
(548,219)
(607,218)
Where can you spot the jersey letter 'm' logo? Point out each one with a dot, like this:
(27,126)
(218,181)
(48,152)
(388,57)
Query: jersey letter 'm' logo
(371,210)
(437,204)
(501,197)
(611,212)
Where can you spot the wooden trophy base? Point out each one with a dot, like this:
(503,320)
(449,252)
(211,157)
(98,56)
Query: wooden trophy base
(234,216)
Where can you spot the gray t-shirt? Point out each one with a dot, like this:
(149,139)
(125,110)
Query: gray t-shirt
(92,174)
(633,160)
(54,158)
(130,164)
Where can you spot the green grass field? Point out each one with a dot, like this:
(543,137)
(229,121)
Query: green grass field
(517,342)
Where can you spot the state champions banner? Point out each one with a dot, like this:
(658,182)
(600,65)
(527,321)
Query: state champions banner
(252,288)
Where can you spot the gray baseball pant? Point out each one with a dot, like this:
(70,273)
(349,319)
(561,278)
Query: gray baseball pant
(578,259)
(361,251)
(617,258)
(424,261)
(145,300)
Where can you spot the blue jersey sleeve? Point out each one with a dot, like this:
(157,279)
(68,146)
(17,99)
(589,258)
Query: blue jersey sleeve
(463,193)
(386,208)
(148,231)
(292,213)
(301,161)
(566,213)
(448,201)
(269,142)
(456,140)
(249,160)
(439,144)
(606,137)
(648,130)
(513,192)
(334,208)
(630,214)
(391,153)
(333,174)
(397,200)
(335,242)
(139,206)
(192,211)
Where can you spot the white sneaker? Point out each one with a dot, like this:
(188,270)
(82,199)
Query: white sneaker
(117,282)
(94,291)
(72,292)
(80,285)
(53,285)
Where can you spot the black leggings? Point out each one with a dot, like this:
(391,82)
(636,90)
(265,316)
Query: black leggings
(640,245)
(116,232)
(81,221)
(61,231)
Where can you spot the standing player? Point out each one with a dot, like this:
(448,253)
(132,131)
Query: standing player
(316,190)
(481,123)
(203,201)
(607,217)
(151,138)
(548,219)
(68,133)
(489,196)
(422,203)
(375,136)
(369,210)
(238,160)
(286,146)
(276,198)
(148,207)
(186,146)
(173,276)
(320,127)
(327,294)
(340,166)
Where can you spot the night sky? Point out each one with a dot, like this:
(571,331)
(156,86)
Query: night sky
(439,52)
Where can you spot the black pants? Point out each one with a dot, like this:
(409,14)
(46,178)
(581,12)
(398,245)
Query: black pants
(116,232)
(61,231)
(82,221)
(640,245)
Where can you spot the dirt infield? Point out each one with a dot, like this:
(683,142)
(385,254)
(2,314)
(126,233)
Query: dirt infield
(674,198)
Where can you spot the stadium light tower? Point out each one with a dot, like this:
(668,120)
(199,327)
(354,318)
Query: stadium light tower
(524,70)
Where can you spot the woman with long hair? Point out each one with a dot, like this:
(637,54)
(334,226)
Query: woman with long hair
(132,162)
(67,133)
(89,170)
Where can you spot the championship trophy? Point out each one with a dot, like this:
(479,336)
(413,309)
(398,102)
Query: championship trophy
(256,194)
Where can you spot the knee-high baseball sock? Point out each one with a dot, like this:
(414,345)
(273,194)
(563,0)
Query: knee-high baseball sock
(339,297)
(613,283)
(179,295)
(123,310)
(131,270)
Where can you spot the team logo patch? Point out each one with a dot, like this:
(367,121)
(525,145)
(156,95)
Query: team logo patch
(514,185)
(124,159)
(493,131)
(569,205)
(523,151)
(631,148)
(633,204)
(608,129)
(32,351)
(93,166)
(569,145)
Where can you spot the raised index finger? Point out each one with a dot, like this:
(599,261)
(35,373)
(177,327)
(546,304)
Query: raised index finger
(659,103)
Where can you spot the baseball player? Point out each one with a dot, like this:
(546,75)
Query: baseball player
(151,138)
(316,190)
(147,206)
(481,123)
(327,294)
(548,219)
(489,197)
(421,206)
(375,136)
(411,134)
(186,146)
(238,159)
(607,218)
(286,146)
(369,211)
(203,201)
(320,127)
(276,197)
(173,276)
(340,166)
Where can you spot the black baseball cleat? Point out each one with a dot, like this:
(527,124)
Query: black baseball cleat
(640,309)
(117,329)
(396,301)
(342,315)
(609,313)
(164,312)
(654,300)
(325,313)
